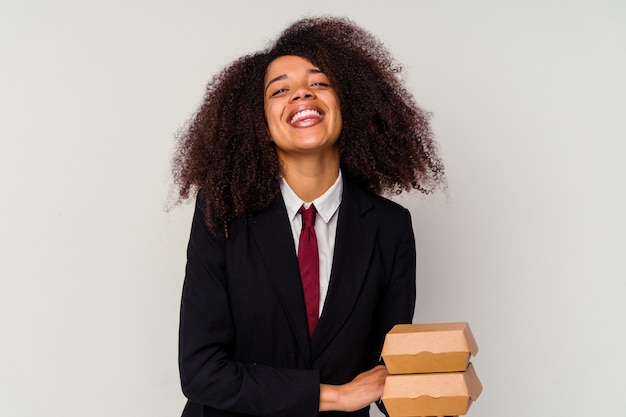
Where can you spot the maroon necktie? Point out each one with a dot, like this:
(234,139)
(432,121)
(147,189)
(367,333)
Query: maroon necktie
(309,261)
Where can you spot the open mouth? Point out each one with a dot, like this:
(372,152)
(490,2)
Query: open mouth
(305,116)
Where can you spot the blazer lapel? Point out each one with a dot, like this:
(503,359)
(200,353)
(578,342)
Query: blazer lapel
(272,232)
(353,249)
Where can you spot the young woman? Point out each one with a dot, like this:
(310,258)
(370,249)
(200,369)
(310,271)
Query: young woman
(296,266)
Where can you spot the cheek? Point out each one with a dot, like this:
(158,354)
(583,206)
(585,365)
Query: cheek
(339,117)
(336,106)
(271,120)
(272,116)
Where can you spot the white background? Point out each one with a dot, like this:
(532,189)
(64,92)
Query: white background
(529,248)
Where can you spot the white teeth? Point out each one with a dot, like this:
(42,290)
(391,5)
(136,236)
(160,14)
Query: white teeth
(303,114)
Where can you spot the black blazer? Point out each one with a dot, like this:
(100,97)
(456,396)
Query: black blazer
(244,346)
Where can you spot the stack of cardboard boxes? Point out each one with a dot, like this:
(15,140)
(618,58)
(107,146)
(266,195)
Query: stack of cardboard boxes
(430,370)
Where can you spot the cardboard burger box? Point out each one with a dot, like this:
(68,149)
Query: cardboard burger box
(433,394)
(430,370)
(425,348)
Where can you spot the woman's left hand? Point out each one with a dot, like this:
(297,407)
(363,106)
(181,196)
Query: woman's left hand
(363,390)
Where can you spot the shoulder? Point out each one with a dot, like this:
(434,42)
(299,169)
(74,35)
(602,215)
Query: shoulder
(371,203)
(389,217)
(393,219)
(387,205)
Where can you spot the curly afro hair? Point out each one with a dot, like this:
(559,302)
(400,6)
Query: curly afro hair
(386,144)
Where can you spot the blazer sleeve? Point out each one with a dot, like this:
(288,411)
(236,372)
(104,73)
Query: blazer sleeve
(397,303)
(208,374)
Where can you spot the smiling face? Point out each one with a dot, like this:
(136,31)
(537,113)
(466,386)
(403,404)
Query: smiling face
(301,107)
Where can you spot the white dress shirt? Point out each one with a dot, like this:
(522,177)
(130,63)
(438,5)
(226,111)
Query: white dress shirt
(327,206)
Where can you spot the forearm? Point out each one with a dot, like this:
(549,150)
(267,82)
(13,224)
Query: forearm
(253,389)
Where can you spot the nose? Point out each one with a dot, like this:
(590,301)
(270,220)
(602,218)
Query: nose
(302,93)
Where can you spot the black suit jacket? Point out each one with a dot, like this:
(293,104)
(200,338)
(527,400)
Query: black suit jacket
(244,345)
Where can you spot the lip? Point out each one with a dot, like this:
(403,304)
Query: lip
(307,120)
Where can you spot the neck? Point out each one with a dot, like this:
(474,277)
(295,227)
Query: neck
(310,177)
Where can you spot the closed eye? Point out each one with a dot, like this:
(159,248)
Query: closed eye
(279,91)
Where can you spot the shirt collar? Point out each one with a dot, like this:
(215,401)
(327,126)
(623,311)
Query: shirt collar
(326,204)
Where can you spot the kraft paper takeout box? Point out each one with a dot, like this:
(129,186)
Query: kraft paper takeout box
(424,348)
(434,394)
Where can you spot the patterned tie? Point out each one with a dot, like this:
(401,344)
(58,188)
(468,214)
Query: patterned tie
(309,261)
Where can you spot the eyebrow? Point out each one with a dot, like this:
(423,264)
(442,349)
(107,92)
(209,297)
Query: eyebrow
(284,76)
